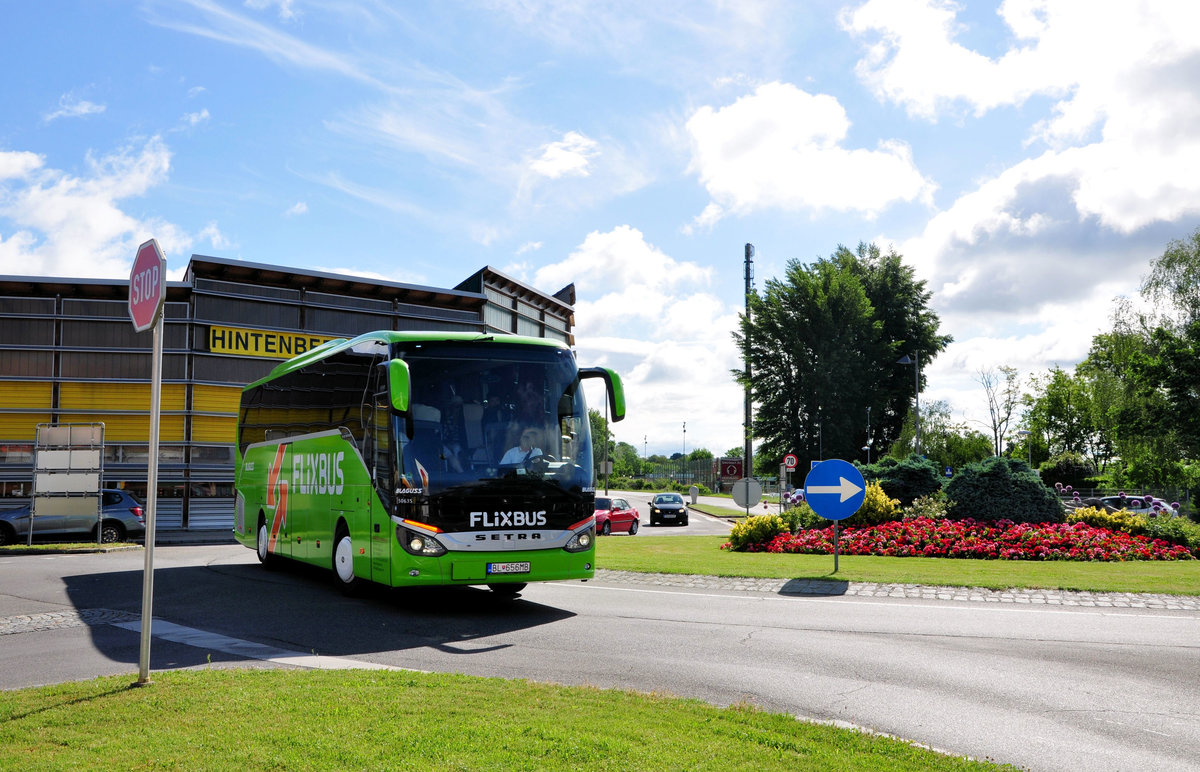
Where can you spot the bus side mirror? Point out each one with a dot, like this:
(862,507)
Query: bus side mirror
(616,391)
(399,385)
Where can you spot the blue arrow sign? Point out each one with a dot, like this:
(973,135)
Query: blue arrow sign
(835,489)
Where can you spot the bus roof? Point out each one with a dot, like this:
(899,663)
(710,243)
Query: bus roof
(331,347)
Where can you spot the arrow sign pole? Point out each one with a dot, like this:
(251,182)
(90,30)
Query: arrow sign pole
(844,487)
(849,491)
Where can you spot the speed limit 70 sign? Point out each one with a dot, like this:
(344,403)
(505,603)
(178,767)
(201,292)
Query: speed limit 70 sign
(790,461)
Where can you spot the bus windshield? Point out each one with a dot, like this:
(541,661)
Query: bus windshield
(517,415)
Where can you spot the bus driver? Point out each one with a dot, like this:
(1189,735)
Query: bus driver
(530,439)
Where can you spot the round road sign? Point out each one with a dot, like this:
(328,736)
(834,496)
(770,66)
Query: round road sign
(147,286)
(790,461)
(835,489)
(747,492)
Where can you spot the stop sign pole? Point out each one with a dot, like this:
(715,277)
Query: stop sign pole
(147,293)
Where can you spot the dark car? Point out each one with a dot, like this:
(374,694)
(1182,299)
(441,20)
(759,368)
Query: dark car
(123,519)
(668,508)
(615,515)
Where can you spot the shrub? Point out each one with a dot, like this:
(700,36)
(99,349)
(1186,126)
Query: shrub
(1122,520)
(801,518)
(932,507)
(1069,469)
(905,480)
(1000,488)
(877,507)
(1177,530)
(755,530)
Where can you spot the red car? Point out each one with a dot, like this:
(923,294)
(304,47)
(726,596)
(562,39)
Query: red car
(615,515)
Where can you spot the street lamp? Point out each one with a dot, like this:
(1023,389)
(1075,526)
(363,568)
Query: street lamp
(867,447)
(1028,444)
(915,361)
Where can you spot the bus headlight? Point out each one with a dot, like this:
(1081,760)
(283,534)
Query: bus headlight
(582,541)
(421,544)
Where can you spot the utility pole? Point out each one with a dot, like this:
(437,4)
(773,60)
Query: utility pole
(748,454)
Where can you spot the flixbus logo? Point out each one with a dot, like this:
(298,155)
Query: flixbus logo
(318,472)
(514,519)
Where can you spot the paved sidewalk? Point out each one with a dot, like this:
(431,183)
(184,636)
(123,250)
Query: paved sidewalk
(828,588)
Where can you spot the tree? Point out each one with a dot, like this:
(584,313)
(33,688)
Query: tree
(625,461)
(1003,398)
(600,433)
(1061,413)
(1171,367)
(943,442)
(1175,277)
(823,342)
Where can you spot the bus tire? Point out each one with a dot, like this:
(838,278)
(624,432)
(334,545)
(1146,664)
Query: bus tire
(267,560)
(343,564)
(508,590)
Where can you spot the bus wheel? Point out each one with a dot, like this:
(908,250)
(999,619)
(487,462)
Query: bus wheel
(507,590)
(343,564)
(264,537)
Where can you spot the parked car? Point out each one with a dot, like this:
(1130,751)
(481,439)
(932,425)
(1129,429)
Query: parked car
(123,519)
(615,515)
(668,508)
(1138,503)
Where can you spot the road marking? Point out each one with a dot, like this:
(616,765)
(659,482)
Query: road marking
(201,639)
(1076,610)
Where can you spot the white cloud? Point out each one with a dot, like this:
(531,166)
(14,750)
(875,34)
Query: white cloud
(569,156)
(195,91)
(529,246)
(17,163)
(225,26)
(1040,249)
(653,319)
(286,12)
(1098,63)
(782,148)
(212,234)
(296,209)
(195,119)
(62,224)
(71,107)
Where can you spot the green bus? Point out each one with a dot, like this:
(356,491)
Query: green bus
(423,459)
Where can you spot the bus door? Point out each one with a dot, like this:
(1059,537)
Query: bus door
(378,457)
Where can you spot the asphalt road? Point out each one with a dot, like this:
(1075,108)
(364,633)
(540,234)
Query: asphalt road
(1044,688)
(699,524)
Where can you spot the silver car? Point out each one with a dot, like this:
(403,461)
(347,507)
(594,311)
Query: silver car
(123,519)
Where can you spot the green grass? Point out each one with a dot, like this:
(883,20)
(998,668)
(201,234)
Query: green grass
(274,719)
(702,555)
(48,547)
(715,511)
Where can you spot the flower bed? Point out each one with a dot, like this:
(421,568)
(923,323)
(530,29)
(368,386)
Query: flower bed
(1001,540)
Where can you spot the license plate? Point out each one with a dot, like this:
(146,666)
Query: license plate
(669,517)
(508,568)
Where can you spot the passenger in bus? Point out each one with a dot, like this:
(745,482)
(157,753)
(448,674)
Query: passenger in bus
(451,405)
(527,449)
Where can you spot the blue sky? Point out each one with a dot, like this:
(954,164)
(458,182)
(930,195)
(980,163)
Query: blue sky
(1028,158)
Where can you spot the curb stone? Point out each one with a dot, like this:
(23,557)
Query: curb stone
(828,588)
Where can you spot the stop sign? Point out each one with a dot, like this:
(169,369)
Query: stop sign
(147,286)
